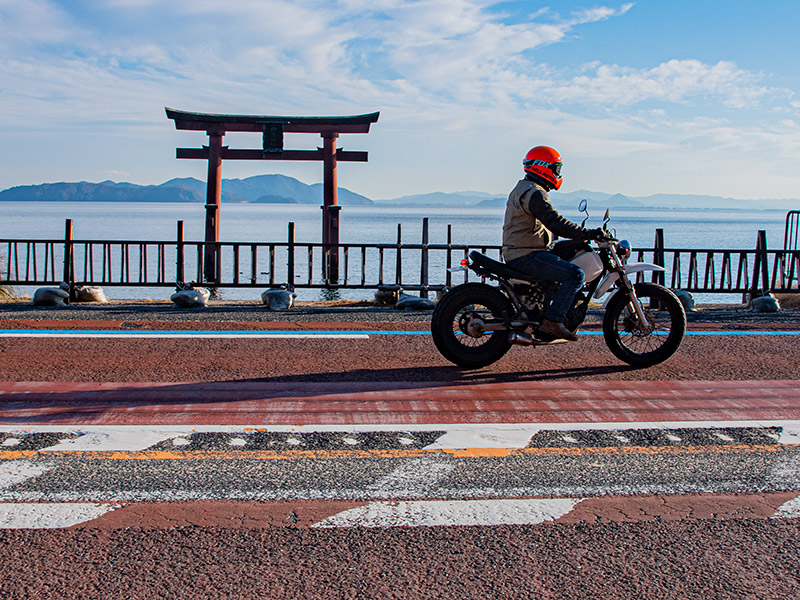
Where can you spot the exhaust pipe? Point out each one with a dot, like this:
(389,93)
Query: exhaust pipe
(520,338)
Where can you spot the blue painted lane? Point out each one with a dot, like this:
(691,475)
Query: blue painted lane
(295,333)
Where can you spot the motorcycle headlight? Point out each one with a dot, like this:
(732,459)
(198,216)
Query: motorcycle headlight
(624,249)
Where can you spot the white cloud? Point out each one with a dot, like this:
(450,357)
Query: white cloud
(454,71)
(33,21)
(676,81)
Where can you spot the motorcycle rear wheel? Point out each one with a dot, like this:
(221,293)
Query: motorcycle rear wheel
(644,347)
(453,325)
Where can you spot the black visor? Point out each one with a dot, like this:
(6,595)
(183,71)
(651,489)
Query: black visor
(556,169)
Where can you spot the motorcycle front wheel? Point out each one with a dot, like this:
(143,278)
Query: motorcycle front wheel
(458,320)
(644,345)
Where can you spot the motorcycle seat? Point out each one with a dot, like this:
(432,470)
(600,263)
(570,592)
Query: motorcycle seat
(496,267)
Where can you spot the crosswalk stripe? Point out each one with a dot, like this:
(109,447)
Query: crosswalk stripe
(434,513)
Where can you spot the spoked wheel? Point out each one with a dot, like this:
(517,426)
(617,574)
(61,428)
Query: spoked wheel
(460,321)
(644,344)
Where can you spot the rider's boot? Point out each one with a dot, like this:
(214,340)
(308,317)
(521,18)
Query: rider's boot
(557,330)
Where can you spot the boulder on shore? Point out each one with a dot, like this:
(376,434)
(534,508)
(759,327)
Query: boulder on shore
(687,299)
(409,302)
(191,297)
(278,298)
(387,295)
(765,304)
(52,296)
(91,294)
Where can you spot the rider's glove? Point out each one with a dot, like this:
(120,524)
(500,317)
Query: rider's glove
(600,234)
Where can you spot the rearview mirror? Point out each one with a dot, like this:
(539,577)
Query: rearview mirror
(582,208)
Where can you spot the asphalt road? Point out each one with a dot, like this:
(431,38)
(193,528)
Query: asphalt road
(151,467)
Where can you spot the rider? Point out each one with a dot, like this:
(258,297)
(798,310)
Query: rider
(530,222)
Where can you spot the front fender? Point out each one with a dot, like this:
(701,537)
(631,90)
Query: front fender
(611,278)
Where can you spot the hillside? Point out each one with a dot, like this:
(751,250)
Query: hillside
(281,189)
(258,189)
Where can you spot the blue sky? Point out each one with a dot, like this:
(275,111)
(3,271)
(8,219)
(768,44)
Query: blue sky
(640,97)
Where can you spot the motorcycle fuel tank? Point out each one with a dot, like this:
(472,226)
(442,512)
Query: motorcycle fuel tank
(590,263)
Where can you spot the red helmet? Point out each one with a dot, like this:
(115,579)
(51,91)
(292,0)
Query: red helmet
(545,163)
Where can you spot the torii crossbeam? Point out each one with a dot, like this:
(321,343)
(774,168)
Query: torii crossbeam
(272,129)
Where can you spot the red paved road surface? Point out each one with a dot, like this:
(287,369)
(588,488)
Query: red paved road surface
(252,403)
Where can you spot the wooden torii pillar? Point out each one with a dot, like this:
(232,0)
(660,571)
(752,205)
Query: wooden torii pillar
(272,129)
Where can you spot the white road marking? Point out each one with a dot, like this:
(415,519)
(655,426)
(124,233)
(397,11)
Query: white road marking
(412,478)
(14,472)
(483,436)
(457,436)
(790,433)
(117,439)
(790,509)
(452,513)
(179,334)
(49,515)
(785,472)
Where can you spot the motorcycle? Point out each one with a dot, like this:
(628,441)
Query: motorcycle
(475,324)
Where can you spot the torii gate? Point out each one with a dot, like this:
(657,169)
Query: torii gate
(272,129)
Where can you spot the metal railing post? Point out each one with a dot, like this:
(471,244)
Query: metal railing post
(760,265)
(448,273)
(658,257)
(69,259)
(398,278)
(180,263)
(423,274)
(290,253)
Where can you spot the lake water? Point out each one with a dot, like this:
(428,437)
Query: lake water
(684,228)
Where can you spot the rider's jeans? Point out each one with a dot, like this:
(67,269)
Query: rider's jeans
(549,267)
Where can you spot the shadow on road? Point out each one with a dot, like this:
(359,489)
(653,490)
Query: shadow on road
(76,402)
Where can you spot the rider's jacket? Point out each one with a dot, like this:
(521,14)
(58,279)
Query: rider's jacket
(531,220)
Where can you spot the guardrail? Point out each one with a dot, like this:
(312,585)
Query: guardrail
(421,267)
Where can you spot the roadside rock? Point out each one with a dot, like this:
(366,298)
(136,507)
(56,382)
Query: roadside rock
(278,299)
(52,296)
(765,304)
(409,302)
(387,295)
(91,294)
(687,299)
(191,297)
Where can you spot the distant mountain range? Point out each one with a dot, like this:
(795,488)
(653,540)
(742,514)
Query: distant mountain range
(273,189)
(281,189)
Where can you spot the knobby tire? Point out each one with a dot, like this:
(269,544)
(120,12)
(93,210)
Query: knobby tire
(641,348)
(457,346)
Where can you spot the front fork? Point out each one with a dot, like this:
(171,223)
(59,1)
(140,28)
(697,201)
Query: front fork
(626,287)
